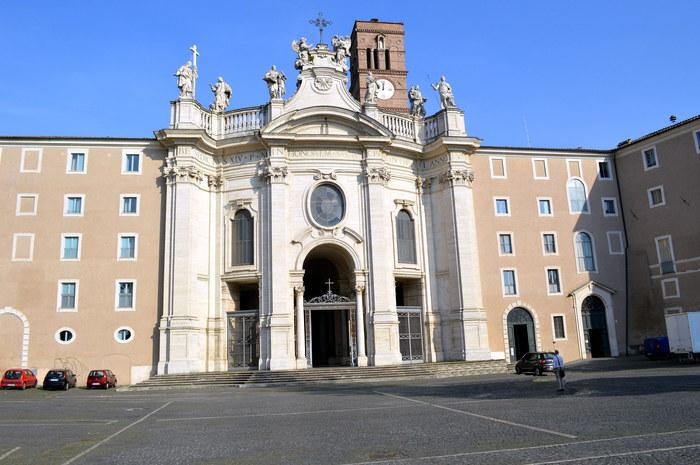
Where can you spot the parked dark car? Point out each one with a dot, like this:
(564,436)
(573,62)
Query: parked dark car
(60,379)
(20,378)
(101,378)
(536,363)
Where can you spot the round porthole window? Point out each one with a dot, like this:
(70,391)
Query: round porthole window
(327,205)
(65,336)
(124,334)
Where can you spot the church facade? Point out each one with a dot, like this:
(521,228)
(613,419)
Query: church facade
(339,226)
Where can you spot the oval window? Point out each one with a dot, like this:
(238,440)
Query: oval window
(65,336)
(124,334)
(327,205)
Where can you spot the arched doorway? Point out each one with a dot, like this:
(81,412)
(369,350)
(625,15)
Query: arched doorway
(595,327)
(329,307)
(521,333)
(14,339)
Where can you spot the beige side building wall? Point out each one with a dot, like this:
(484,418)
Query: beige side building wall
(526,226)
(29,289)
(678,173)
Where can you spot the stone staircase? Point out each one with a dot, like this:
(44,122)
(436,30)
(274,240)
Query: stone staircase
(323,375)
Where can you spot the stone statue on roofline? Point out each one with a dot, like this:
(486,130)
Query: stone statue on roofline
(222,96)
(275,81)
(341,45)
(447,98)
(302,49)
(185,79)
(372,89)
(415,96)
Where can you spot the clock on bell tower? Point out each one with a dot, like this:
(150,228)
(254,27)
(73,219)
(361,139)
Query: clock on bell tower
(379,47)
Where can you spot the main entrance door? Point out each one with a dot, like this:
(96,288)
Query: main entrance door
(330,342)
(243,341)
(595,327)
(521,333)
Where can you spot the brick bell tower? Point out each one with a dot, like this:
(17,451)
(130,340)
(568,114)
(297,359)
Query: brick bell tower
(379,47)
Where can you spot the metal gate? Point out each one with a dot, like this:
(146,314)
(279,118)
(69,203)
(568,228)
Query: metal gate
(243,341)
(410,334)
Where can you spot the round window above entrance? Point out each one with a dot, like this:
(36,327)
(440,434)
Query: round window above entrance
(327,205)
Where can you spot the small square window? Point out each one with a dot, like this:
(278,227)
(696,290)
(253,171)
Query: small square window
(502,207)
(127,247)
(22,247)
(506,244)
(71,248)
(545,207)
(76,162)
(559,328)
(540,168)
(74,205)
(132,163)
(498,167)
(553,285)
(609,207)
(656,197)
(130,205)
(125,296)
(509,285)
(604,170)
(549,243)
(67,295)
(650,159)
(26,204)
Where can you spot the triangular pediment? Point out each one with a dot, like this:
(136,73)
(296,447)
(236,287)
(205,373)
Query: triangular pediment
(326,121)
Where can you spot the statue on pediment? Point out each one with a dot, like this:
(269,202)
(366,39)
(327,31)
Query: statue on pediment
(372,89)
(341,45)
(275,81)
(415,96)
(222,95)
(302,50)
(185,79)
(447,98)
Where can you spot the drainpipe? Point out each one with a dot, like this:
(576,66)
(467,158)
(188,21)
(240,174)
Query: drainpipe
(624,230)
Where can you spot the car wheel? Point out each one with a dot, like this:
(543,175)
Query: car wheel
(518,370)
(66,385)
(24,387)
(537,372)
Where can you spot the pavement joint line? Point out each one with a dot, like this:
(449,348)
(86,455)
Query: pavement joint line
(520,449)
(9,452)
(280,414)
(56,422)
(619,454)
(113,435)
(484,417)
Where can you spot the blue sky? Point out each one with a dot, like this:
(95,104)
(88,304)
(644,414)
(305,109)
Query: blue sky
(586,73)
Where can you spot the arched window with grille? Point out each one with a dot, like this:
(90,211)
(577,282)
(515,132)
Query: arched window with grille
(242,238)
(585,258)
(405,237)
(577,196)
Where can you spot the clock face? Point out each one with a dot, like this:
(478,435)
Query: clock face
(386,89)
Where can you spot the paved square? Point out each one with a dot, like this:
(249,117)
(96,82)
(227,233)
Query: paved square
(614,412)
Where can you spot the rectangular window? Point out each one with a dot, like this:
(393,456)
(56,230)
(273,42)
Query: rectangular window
(506,244)
(615,245)
(574,168)
(22,247)
(31,161)
(73,205)
(26,204)
(664,251)
(502,207)
(544,207)
(67,295)
(509,285)
(549,243)
(553,285)
(76,162)
(127,247)
(670,289)
(71,247)
(559,328)
(131,163)
(656,196)
(609,206)
(130,205)
(125,295)
(649,158)
(604,170)
(540,170)
(498,167)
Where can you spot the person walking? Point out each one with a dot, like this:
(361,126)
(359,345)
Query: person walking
(558,365)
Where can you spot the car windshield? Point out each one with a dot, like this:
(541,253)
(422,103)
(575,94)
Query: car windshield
(13,374)
(549,356)
(97,373)
(55,374)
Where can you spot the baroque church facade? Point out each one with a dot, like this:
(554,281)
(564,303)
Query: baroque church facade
(339,226)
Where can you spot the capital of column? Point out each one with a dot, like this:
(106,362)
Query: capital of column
(299,289)
(359,288)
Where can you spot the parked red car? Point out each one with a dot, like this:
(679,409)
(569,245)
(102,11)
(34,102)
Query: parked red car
(101,378)
(18,378)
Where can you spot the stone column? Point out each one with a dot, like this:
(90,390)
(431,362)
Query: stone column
(301,334)
(360,326)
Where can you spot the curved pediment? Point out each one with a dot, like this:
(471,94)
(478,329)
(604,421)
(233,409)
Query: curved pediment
(326,121)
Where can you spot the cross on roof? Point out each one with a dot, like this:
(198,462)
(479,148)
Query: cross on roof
(321,23)
(329,282)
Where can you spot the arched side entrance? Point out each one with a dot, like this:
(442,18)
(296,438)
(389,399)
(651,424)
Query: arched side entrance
(595,327)
(24,345)
(521,333)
